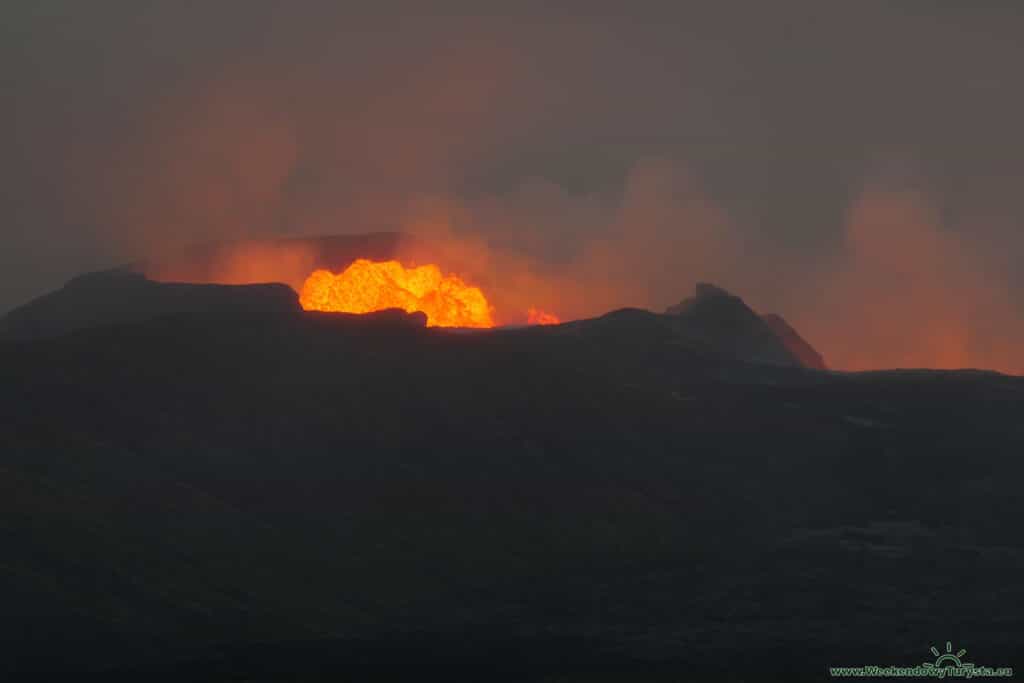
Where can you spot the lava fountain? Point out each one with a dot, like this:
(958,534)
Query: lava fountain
(367,286)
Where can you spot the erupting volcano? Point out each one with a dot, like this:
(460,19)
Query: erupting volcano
(367,286)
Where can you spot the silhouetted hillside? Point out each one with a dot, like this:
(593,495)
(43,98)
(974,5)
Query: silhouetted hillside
(794,343)
(714,320)
(723,321)
(296,496)
(121,296)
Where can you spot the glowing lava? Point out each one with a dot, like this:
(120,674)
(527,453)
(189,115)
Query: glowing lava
(367,286)
(535,316)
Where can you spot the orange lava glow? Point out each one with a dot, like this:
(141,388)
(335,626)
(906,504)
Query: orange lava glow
(367,286)
(535,316)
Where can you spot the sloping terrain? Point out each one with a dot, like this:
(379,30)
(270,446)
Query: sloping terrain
(794,343)
(178,283)
(299,496)
(723,321)
(122,296)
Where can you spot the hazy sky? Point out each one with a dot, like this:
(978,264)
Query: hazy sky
(857,166)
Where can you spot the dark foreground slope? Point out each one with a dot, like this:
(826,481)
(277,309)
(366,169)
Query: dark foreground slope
(310,497)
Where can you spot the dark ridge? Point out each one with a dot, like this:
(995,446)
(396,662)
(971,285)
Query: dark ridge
(797,345)
(122,296)
(126,294)
(724,322)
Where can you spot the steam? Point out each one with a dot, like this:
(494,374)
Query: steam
(571,166)
(237,263)
(644,250)
(901,289)
(909,291)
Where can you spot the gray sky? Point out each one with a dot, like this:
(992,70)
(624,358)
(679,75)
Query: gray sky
(790,151)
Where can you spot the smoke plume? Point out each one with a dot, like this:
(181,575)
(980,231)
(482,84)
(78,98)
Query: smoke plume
(574,165)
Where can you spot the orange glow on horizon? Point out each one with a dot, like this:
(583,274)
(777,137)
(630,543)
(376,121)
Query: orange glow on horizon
(535,316)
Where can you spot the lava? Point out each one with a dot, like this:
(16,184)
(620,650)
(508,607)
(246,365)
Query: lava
(367,286)
(535,316)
